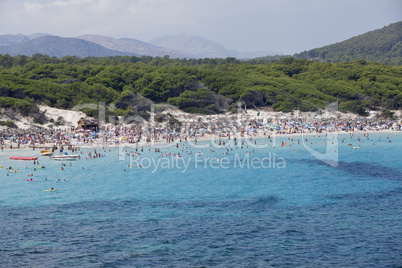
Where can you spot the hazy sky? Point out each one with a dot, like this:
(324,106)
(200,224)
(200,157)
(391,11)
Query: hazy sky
(287,26)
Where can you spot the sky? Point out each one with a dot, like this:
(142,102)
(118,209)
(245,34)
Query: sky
(282,26)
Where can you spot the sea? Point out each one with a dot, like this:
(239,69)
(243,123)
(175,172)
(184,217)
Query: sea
(269,202)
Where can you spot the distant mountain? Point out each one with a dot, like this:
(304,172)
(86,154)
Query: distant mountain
(128,45)
(56,46)
(195,46)
(136,41)
(383,45)
(199,47)
(12,39)
(37,35)
(181,46)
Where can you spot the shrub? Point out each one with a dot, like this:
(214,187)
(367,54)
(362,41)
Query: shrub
(196,110)
(8,124)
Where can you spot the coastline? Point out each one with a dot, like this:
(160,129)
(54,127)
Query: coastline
(190,128)
(192,140)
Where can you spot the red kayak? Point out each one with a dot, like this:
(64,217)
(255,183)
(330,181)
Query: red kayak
(23,158)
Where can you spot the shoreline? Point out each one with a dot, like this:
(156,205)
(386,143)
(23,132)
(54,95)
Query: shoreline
(190,141)
(189,128)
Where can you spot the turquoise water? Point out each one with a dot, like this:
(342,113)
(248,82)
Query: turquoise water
(290,210)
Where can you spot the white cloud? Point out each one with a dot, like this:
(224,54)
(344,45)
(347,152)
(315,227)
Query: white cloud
(70,3)
(32,7)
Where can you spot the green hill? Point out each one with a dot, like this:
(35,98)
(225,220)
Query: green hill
(129,85)
(383,45)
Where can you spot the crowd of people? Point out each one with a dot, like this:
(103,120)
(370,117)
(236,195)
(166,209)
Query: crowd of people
(198,128)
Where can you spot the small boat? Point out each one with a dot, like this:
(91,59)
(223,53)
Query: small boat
(65,157)
(46,153)
(23,158)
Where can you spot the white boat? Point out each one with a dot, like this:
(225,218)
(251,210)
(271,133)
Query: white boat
(65,157)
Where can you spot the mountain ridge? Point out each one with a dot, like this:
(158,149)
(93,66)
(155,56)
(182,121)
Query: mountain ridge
(191,47)
(12,39)
(382,45)
(129,45)
(201,47)
(56,46)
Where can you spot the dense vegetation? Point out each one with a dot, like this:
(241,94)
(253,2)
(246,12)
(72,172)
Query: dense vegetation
(128,85)
(383,46)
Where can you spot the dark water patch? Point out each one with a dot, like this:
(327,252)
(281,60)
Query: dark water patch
(387,195)
(361,169)
(252,205)
(355,234)
(118,207)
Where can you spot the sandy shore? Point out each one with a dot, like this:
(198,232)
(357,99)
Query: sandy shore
(203,139)
(248,124)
